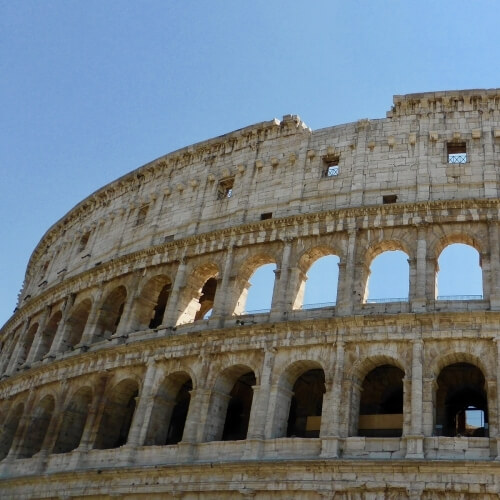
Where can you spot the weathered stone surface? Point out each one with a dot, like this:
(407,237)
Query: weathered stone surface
(109,370)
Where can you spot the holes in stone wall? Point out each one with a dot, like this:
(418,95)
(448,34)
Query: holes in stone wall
(83,241)
(225,188)
(141,215)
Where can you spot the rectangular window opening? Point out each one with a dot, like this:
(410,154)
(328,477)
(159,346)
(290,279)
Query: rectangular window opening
(83,241)
(331,167)
(266,215)
(389,198)
(141,215)
(225,188)
(457,152)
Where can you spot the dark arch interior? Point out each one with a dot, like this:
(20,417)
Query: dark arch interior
(179,413)
(304,418)
(238,409)
(461,402)
(381,404)
(207,298)
(161,305)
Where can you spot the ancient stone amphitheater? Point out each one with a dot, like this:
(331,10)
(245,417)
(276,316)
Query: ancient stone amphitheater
(117,382)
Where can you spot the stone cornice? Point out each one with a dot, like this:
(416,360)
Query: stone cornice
(446,101)
(351,217)
(179,159)
(306,332)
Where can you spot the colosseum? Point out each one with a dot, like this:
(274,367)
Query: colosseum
(131,367)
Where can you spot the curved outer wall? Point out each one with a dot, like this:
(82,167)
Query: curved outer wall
(107,342)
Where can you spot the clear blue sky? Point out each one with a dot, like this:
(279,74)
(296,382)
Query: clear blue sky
(93,89)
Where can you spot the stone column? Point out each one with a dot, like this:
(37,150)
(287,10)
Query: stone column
(415,439)
(489,169)
(497,409)
(296,288)
(127,319)
(38,336)
(55,422)
(279,408)
(331,417)
(197,414)
(494,265)
(61,328)
(25,420)
(172,313)
(260,401)
(142,413)
(432,268)
(418,279)
(279,303)
(13,362)
(222,295)
(428,405)
(91,326)
(346,295)
(94,415)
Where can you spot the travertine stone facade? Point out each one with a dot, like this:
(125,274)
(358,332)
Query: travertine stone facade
(110,370)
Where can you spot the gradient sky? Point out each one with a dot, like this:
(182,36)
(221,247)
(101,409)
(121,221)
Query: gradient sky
(92,89)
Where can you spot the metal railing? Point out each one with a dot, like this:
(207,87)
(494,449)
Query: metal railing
(318,305)
(257,311)
(459,297)
(386,300)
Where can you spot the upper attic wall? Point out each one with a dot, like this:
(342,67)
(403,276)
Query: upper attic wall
(278,168)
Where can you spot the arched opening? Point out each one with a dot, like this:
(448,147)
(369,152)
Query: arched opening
(206,299)
(230,405)
(27,343)
(48,335)
(73,421)
(111,313)
(304,418)
(170,410)
(259,294)
(37,428)
(381,403)
(238,408)
(76,324)
(160,306)
(322,281)
(117,416)
(9,429)
(459,274)
(388,278)
(8,349)
(461,402)
(150,306)
(199,294)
